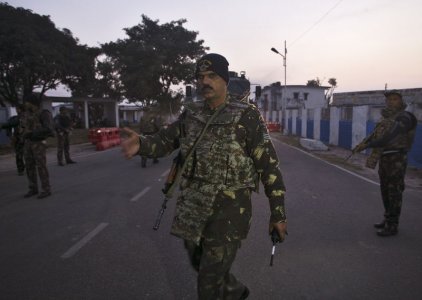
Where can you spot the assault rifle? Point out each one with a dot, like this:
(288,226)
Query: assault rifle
(168,188)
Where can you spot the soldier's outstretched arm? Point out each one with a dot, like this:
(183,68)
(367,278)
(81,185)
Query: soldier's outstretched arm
(131,143)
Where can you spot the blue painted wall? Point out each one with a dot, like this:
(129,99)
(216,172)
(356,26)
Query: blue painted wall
(290,126)
(310,129)
(345,134)
(415,154)
(299,127)
(325,131)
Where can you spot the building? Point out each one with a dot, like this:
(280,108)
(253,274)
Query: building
(302,101)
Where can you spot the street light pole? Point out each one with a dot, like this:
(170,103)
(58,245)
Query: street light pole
(284,94)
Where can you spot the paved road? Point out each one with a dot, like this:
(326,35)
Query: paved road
(93,238)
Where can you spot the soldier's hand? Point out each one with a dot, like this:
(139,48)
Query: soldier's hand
(280,228)
(130,144)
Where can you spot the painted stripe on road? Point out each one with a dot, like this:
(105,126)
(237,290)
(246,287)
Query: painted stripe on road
(75,248)
(338,167)
(143,192)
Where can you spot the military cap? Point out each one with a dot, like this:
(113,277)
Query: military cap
(213,62)
(393,92)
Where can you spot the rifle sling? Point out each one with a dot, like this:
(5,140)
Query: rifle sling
(169,193)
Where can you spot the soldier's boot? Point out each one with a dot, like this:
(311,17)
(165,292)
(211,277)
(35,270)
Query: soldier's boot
(30,193)
(155,161)
(69,161)
(60,163)
(143,162)
(380,225)
(44,194)
(245,294)
(388,230)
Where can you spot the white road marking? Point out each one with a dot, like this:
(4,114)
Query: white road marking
(75,248)
(338,167)
(143,192)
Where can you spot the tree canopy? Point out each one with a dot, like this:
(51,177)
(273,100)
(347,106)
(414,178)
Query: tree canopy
(36,56)
(152,59)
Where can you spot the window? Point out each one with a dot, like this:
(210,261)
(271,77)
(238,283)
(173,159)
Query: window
(305,96)
(296,95)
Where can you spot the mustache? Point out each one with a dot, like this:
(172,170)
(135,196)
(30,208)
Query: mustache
(205,87)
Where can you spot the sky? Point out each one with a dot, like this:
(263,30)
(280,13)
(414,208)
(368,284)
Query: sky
(364,44)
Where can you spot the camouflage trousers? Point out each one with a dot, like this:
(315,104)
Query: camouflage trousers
(213,262)
(392,169)
(63,146)
(36,162)
(19,151)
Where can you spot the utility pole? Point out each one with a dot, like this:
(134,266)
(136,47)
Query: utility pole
(284,94)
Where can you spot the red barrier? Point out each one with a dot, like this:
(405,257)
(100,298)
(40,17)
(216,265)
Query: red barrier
(273,127)
(105,138)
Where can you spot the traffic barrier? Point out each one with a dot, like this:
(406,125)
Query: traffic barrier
(273,127)
(105,138)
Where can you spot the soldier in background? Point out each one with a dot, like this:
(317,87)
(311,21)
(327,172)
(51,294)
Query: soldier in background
(150,123)
(222,165)
(12,129)
(36,126)
(390,141)
(63,125)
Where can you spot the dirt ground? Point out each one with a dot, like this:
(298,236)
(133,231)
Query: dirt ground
(356,163)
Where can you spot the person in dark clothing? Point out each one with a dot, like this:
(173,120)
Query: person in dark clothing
(63,126)
(36,127)
(390,141)
(225,150)
(12,129)
(150,123)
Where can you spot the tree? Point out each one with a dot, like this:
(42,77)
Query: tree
(36,56)
(314,82)
(153,58)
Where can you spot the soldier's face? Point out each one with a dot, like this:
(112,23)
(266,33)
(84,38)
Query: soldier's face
(212,87)
(394,101)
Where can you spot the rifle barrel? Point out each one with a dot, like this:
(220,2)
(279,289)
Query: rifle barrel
(160,214)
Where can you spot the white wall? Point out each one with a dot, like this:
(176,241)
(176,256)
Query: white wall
(360,117)
(334,125)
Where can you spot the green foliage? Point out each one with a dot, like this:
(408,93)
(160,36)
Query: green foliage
(152,58)
(332,82)
(35,55)
(314,82)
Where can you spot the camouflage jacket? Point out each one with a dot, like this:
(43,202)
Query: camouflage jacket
(150,123)
(396,131)
(235,152)
(35,124)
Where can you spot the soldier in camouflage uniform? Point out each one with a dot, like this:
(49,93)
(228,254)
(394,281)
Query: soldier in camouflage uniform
(391,140)
(12,127)
(213,210)
(150,123)
(63,126)
(35,127)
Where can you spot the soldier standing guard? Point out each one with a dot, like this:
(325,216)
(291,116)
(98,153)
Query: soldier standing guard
(13,132)
(391,140)
(226,150)
(36,127)
(63,126)
(150,123)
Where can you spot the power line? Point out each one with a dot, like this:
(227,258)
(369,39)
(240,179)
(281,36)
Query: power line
(316,23)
